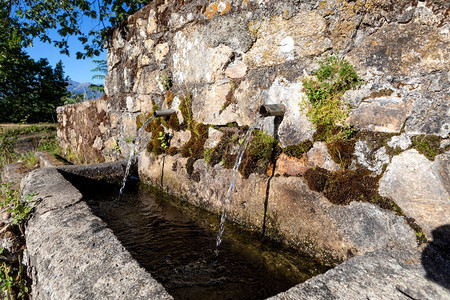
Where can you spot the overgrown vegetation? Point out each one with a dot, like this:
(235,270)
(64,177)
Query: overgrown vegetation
(13,284)
(262,150)
(8,138)
(13,281)
(324,106)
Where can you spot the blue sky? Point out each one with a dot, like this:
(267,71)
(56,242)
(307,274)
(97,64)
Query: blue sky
(77,69)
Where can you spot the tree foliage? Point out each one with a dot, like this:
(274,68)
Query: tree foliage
(35,18)
(102,69)
(29,90)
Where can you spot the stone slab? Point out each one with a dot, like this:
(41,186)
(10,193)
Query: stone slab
(71,254)
(422,194)
(384,274)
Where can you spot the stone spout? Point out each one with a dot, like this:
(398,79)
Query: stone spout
(272,110)
(163,112)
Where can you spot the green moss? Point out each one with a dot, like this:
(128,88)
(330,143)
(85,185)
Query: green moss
(194,147)
(374,139)
(190,165)
(348,186)
(298,150)
(420,235)
(428,145)
(262,150)
(169,98)
(185,108)
(325,109)
(207,154)
(341,152)
(199,135)
(316,178)
(229,160)
(173,122)
(158,143)
(172,151)
(222,149)
(141,118)
(166,79)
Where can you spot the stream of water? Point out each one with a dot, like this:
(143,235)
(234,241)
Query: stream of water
(133,151)
(244,144)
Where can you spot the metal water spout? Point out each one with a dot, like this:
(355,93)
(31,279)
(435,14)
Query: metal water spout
(272,110)
(164,112)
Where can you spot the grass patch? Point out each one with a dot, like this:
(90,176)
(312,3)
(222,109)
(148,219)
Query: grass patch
(7,154)
(324,105)
(9,137)
(13,283)
(29,159)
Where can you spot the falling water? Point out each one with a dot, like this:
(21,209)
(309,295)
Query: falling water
(242,148)
(133,152)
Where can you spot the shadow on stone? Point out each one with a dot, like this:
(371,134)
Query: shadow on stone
(273,160)
(436,257)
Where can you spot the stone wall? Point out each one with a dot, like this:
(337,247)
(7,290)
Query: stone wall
(231,57)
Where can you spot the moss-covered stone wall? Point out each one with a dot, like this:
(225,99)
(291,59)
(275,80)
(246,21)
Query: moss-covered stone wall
(366,88)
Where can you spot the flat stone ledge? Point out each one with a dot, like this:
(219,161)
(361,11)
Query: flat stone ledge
(46,160)
(71,254)
(383,274)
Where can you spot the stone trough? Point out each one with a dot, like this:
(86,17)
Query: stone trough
(71,254)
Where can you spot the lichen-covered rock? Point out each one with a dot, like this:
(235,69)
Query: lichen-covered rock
(372,160)
(401,141)
(318,156)
(385,114)
(279,40)
(422,193)
(196,61)
(403,49)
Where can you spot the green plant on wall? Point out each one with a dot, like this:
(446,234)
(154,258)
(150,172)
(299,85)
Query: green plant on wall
(163,140)
(324,105)
(166,80)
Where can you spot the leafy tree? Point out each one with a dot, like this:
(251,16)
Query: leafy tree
(102,68)
(34,19)
(29,90)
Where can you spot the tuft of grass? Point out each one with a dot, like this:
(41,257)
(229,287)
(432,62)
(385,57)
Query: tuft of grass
(29,159)
(7,154)
(324,105)
(13,284)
